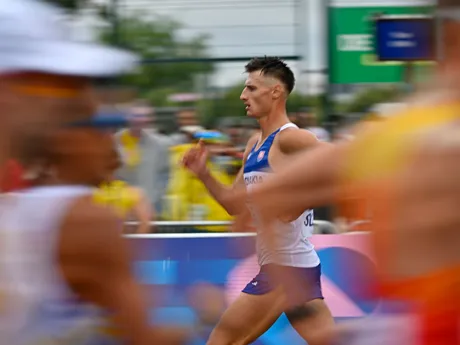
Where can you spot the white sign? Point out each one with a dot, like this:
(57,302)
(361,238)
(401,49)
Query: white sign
(401,40)
(354,43)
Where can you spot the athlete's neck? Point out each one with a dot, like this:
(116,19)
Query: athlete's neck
(271,123)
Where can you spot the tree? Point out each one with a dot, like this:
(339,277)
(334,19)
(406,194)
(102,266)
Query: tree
(70,5)
(364,100)
(158,38)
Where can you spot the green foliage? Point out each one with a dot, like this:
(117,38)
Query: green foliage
(297,101)
(157,38)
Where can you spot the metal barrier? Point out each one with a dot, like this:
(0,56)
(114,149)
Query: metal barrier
(327,227)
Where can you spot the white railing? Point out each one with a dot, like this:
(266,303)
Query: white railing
(211,223)
(207,223)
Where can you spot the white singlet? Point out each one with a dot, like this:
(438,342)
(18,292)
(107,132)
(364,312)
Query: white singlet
(294,248)
(36,305)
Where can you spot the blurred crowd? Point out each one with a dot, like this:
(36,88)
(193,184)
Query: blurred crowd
(151,159)
(149,185)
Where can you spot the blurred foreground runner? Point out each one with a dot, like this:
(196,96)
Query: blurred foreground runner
(64,268)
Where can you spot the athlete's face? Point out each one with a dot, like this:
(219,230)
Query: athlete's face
(83,156)
(258,95)
(41,100)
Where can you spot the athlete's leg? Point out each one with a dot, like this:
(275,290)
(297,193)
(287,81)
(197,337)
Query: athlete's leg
(310,320)
(248,318)
(253,312)
(310,315)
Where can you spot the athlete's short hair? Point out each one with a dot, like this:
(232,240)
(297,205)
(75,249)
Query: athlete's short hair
(273,67)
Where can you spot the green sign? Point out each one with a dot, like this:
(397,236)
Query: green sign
(351,50)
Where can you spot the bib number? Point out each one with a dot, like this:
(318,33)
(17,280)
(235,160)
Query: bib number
(308,220)
(307,225)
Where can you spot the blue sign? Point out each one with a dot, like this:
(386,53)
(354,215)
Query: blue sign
(171,268)
(405,39)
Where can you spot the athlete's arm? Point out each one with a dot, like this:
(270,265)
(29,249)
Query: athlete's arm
(142,211)
(310,180)
(225,195)
(95,262)
(292,143)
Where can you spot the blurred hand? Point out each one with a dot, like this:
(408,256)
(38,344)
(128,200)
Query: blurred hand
(195,159)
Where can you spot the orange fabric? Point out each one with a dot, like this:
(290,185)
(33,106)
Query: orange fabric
(46,85)
(353,207)
(436,300)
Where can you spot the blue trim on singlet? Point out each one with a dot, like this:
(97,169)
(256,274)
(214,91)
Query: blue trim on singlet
(258,159)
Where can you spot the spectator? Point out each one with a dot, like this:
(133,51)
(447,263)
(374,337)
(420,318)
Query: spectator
(127,201)
(187,197)
(186,117)
(144,155)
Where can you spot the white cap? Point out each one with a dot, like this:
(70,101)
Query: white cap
(35,37)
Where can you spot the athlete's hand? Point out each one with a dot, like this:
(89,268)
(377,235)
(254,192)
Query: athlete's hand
(195,159)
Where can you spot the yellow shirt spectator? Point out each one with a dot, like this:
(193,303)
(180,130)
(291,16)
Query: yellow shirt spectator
(125,200)
(187,197)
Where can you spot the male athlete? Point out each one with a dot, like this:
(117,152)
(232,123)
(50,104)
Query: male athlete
(269,83)
(63,263)
(407,170)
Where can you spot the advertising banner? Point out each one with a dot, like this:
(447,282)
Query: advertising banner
(401,38)
(171,267)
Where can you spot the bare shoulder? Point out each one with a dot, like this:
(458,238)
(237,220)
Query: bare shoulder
(292,140)
(91,246)
(88,228)
(84,210)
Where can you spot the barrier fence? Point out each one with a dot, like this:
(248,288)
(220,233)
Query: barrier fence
(321,226)
(172,265)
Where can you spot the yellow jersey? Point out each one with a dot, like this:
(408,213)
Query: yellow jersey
(188,199)
(118,195)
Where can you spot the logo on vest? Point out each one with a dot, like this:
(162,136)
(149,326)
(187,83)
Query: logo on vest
(260,156)
(249,180)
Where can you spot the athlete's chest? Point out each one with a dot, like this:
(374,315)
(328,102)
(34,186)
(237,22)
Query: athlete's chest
(263,158)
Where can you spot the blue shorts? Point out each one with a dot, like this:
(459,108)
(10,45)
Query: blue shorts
(309,277)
